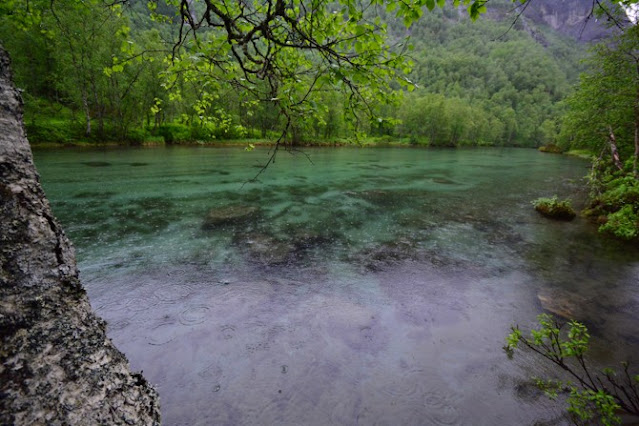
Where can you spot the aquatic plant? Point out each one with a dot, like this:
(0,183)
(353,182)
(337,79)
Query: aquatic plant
(590,395)
(553,208)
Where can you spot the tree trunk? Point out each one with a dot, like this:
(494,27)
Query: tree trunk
(87,112)
(57,365)
(636,154)
(634,160)
(613,149)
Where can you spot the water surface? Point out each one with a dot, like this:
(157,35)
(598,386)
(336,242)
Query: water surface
(371,286)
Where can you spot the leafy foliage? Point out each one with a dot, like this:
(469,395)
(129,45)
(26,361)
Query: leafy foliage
(344,79)
(614,200)
(603,116)
(592,395)
(551,148)
(554,208)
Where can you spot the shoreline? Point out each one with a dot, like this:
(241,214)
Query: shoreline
(251,144)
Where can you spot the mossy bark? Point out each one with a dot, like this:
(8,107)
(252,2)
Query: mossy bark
(57,365)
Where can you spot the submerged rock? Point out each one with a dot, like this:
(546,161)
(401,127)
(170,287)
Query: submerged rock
(378,257)
(375,196)
(309,239)
(229,215)
(562,303)
(265,249)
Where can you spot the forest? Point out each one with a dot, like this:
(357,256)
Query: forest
(91,74)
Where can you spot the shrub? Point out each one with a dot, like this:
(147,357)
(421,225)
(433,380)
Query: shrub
(51,131)
(137,136)
(623,223)
(201,133)
(615,204)
(554,209)
(551,148)
(591,395)
(174,133)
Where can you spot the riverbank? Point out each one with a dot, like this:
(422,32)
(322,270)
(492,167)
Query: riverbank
(371,141)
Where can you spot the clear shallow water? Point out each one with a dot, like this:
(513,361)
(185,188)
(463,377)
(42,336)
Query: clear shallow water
(374,286)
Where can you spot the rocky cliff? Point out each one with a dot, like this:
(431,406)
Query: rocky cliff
(572,18)
(57,365)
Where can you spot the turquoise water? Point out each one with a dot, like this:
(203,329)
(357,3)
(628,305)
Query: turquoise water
(366,286)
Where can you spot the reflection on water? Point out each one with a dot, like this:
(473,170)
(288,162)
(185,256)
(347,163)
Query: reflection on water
(374,286)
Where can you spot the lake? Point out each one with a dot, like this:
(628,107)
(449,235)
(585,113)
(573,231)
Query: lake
(355,286)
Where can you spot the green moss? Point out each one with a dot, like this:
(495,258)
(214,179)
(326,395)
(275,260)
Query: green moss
(554,209)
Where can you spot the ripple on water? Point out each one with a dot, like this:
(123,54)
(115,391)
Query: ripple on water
(211,371)
(419,393)
(408,384)
(228,331)
(441,408)
(344,411)
(285,405)
(118,325)
(173,292)
(140,304)
(194,315)
(162,334)
(118,305)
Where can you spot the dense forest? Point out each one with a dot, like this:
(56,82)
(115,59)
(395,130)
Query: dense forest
(97,74)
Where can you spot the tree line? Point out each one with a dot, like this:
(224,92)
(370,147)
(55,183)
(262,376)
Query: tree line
(97,73)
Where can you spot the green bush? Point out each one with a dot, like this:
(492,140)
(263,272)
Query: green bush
(137,136)
(174,133)
(230,131)
(201,133)
(51,131)
(615,204)
(623,223)
(554,209)
(551,148)
(621,191)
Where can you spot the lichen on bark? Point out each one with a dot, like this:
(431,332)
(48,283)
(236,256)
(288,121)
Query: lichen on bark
(57,365)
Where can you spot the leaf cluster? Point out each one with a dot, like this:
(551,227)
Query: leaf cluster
(614,202)
(591,394)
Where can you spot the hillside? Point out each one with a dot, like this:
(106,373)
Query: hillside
(480,83)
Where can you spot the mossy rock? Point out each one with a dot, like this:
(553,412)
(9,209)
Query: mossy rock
(551,148)
(552,208)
